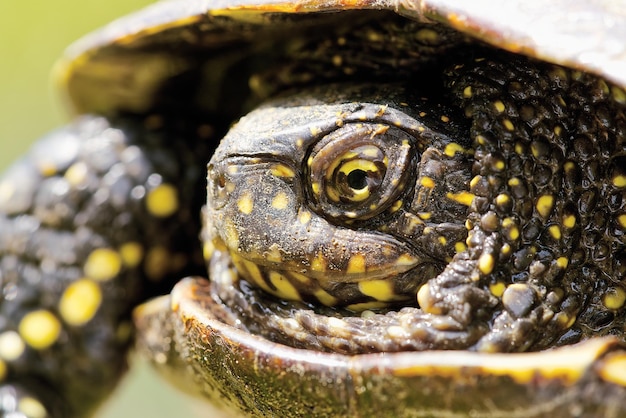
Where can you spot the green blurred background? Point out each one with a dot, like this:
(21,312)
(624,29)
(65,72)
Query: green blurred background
(33,33)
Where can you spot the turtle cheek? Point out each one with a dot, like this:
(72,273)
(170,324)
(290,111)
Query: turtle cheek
(278,244)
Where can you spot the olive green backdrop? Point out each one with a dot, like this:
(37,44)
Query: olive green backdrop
(33,33)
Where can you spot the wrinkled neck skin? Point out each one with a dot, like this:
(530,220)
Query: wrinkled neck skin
(363,219)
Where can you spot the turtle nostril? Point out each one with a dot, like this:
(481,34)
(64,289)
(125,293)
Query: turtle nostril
(221,181)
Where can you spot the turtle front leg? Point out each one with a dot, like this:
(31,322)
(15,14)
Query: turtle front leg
(549,153)
(95,218)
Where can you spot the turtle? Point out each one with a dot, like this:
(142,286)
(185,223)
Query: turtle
(403,209)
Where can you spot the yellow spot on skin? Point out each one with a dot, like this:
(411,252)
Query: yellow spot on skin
(464,198)
(3,370)
(76,174)
(514,182)
(475,180)
(280,201)
(274,254)
(544,205)
(299,277)
(467,92)
(442,240)
(502,199)
(162,201)
(315,131)
(565,320)
(406,260)
(486,263)
(445,119)
(508,125)
(427,182)
(253,275)
(319,262)
(452,148)
(131,253)
(245,204)
(459,247)
(31,407)
(497,289)
(619,181)
(562,262)
(325,298)
(11,345)
(614,298)
(424,215)
(103,264)
(425,302)
(499,165)
(378,289)
(569,221)
(315,187)
(208,248)
(396,331)
(281,170)
(614,369)
(80,301)
(284,288)
(356,264)
(359,307)
(621,219)
(40,329)
(555,231)
(304,217)
(499,106)
(394,208)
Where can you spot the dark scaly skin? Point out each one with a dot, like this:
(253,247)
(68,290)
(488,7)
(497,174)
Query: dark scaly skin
(545,253)
(82,190)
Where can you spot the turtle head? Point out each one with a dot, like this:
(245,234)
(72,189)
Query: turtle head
(353,199)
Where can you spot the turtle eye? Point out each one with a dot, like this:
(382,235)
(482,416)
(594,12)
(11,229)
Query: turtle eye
(357,171)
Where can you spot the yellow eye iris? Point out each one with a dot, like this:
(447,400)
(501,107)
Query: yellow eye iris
(358,178)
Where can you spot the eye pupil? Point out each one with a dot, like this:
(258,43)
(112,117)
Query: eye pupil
(357,179)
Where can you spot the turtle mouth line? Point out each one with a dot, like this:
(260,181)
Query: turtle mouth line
(382,288)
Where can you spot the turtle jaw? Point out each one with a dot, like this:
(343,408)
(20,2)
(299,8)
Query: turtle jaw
(385,286)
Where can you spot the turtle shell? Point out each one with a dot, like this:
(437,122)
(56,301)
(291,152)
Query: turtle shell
(250,375)
(142,60)
(186,53)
